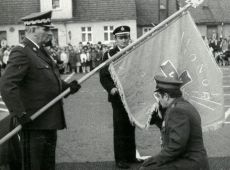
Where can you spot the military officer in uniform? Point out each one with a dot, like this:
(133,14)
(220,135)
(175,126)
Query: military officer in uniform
(30,81)
(181,132)
(124,131)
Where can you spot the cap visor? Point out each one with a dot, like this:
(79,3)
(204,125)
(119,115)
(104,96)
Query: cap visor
(49,26)
(123,33)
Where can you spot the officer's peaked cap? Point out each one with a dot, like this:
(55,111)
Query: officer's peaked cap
(38,19)
(167,83)
(121,30)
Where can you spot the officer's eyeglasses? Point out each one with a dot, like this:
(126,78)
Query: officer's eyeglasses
(123,37)
(46,28)
(156,95)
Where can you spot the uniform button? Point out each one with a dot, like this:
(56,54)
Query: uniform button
(47,66)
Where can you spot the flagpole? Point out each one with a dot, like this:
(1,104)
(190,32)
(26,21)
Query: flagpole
(88,75)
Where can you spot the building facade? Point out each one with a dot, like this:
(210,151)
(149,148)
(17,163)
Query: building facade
(94,20)
(75,20)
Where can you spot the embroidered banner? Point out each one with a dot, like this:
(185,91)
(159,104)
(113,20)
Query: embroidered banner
(178,49)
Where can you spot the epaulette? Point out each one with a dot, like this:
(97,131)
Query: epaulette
(21,45)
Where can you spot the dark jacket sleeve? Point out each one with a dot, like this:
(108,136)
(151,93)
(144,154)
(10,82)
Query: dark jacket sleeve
(177,133)
(12,79)
(105,77)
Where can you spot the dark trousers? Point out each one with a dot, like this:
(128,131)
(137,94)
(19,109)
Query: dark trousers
(154,167)
(10,151)
(38,149)
(124,134)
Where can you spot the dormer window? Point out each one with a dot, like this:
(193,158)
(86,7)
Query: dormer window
(55,4)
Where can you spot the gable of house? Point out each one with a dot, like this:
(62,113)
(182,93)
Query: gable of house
(212,11)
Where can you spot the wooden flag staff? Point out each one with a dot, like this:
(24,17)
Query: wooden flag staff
(190,3)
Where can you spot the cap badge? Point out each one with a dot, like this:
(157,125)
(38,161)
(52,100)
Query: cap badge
(34,49)
(122,28)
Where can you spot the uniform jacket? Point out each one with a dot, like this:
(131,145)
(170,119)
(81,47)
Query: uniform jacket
(182,137)
(124,131)
(105,77)
(30,81)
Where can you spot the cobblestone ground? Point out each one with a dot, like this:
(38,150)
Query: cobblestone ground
(88,141)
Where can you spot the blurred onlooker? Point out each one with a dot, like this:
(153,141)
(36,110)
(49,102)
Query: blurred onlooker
(72,60)
(88,60)
(5,58)
(65,59)
(99,45)
(224,45)
(215,45)
(78,61)
(99,56)
(94,55)
(83,57)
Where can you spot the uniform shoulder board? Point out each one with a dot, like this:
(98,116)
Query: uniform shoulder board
(21,45)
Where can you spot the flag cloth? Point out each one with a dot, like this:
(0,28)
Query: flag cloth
(177,49)
(3,109)
(4,119)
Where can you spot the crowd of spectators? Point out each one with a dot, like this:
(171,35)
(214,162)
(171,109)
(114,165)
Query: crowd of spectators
(84,58)
(81,59)
(220,48)
(77,59)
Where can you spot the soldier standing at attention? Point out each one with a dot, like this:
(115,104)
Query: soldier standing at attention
(181,132)
(124,131)
(30,81)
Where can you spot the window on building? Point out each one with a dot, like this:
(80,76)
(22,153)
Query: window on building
(108,33)
(55,4)
(86,34)
(3,38)
(162,10)
(21,34)
(146,29)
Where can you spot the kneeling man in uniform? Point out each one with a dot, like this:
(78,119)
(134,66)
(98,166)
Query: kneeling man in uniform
(181,132)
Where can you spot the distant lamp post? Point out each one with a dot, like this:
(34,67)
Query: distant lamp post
(70,35)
